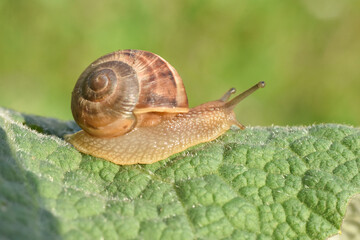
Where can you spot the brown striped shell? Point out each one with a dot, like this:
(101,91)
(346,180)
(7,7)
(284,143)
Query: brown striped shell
(126,89)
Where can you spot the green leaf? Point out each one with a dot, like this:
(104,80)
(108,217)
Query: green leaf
(261,183)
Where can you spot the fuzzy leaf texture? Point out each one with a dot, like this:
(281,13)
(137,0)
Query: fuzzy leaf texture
(260,183)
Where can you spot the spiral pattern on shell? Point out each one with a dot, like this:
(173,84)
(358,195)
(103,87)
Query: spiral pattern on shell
(115,88)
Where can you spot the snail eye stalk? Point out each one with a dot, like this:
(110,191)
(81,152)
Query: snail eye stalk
(233,102)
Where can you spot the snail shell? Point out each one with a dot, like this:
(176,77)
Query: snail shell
(126,89)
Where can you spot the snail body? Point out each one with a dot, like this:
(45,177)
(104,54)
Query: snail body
(153,131)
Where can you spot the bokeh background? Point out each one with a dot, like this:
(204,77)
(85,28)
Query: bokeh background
(307,51)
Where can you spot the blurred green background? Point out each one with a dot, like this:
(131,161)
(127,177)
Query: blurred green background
(307,51)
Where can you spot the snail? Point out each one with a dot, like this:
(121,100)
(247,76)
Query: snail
(133,109)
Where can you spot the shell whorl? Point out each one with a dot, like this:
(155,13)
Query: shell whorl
(116,87)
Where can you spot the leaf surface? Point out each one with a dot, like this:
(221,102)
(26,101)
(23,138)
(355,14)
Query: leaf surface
(260,183)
